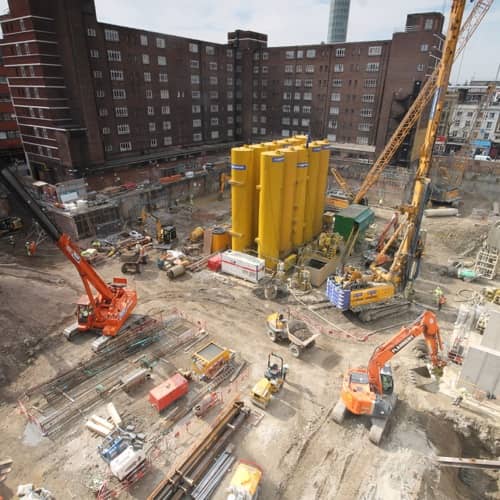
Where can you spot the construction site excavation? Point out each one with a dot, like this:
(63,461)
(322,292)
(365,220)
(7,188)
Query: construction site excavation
(268,313)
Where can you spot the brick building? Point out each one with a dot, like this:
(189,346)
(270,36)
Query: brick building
(10,140)
(90,95)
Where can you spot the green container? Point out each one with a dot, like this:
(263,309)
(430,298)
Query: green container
(352,217)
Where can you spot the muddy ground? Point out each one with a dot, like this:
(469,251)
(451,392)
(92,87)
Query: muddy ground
(303,453)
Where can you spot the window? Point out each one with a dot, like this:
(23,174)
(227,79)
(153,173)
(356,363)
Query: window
(255,69)
(114,55)
(144,40)
(335,96)
(290,54)
(361,139)
(102,112)
(99,93)
(160,43)
(195,94)
(298,83)
(116,74)
(288,68)
(332,124)
(364,127)
(489,124)
(366,112)
(263,119)
(288,82)
(212,80)
(108,148)
(332,137)
(153,142)
(165,110)
(214,108)
(162,61)
(285,120)
(340,52)
(123,128)
(370,83)
(215,134)
(212,66)
(428,24)
(376,50)
(229,81)
(256,56)
(420,67)
(255,130)
(307,96)
(368,98)
(263,107)
(97,73)
(338,68)
(193,47)
(298,68)
(91,32)
(147,76)
(197,137)
(306,109)
(334,110)
(287,95)
(229,95)
(195,79)
(164,94)
(121,112)
(229,68)
(230,120)
(336,83)
(286,108)
(195,108)
(209,50)
(197,123)
(152,126)
(150,110)
(265,69)
(424,47)
(308,83)
(372,66)
(167,125)
(163,77)
(167,141)
(149,94)
(230,133)
(105,131)
(119,94)
(309,68)
(262,131)
(296,96)
(111,35)
(145,58)
(214,121)
(194,64)
(305,122)
(265,56)
(94,53)
(229,52)
(311,53)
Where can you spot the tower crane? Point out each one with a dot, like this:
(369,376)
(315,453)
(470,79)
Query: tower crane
(106,306)
(470,25)
(370,390)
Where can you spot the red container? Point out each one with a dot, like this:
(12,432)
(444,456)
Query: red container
(168,391)
(214,263)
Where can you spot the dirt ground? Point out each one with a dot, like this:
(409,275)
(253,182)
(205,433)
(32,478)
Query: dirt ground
(303,453)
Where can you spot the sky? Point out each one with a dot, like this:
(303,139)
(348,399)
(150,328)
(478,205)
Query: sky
(296,22)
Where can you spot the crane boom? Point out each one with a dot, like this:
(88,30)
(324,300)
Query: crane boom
(428,90)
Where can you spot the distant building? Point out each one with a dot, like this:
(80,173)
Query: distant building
(91,96)
(471,115)
(10,140)
(338,20)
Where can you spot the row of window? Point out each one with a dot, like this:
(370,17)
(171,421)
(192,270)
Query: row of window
(124,128)
(362,127)
(298,82)
(289,68)
(287,108)
(291,54)
(365,112)
(212,80)
(364,98)
(116,56)
(375,50)
(123,111)
(307,96)
(305,122)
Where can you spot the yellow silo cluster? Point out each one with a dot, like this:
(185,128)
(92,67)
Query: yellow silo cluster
(277,195)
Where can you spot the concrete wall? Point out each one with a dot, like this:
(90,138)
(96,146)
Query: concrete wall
(481,369)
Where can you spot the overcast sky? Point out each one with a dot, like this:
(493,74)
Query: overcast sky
(288,22)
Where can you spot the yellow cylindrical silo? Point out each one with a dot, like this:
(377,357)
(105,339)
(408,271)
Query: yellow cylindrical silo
(322,184)
(242,197)
(272,166)
(258,149)
(293,141)
(301,138)
(314,154)
(289,177)
(270,146)
(282,143)
(299,204)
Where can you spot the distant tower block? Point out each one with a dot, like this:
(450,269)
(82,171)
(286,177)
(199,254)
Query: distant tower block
(337,21)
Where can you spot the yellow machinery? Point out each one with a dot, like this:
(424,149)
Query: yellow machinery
(289,182)
(415,111)
(273,380)
(301,174)
(373,294)
(207,361)
(314,152)
(164,233)
(242,197)
(322,184)
(270,204)
(245,482)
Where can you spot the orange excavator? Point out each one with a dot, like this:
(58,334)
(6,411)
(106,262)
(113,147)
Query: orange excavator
(106,306)
(370,390)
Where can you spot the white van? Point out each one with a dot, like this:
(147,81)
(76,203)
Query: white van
(482,158)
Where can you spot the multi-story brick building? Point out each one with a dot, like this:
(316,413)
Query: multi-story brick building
(89,95)
(10,140)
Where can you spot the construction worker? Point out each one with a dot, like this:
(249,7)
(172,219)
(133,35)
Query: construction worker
(438,294)
(12,241)
(27,246)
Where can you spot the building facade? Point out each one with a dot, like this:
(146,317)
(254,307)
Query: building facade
(10,140)
(90,95)
(338,21)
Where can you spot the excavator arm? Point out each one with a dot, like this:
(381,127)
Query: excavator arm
(426,325)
